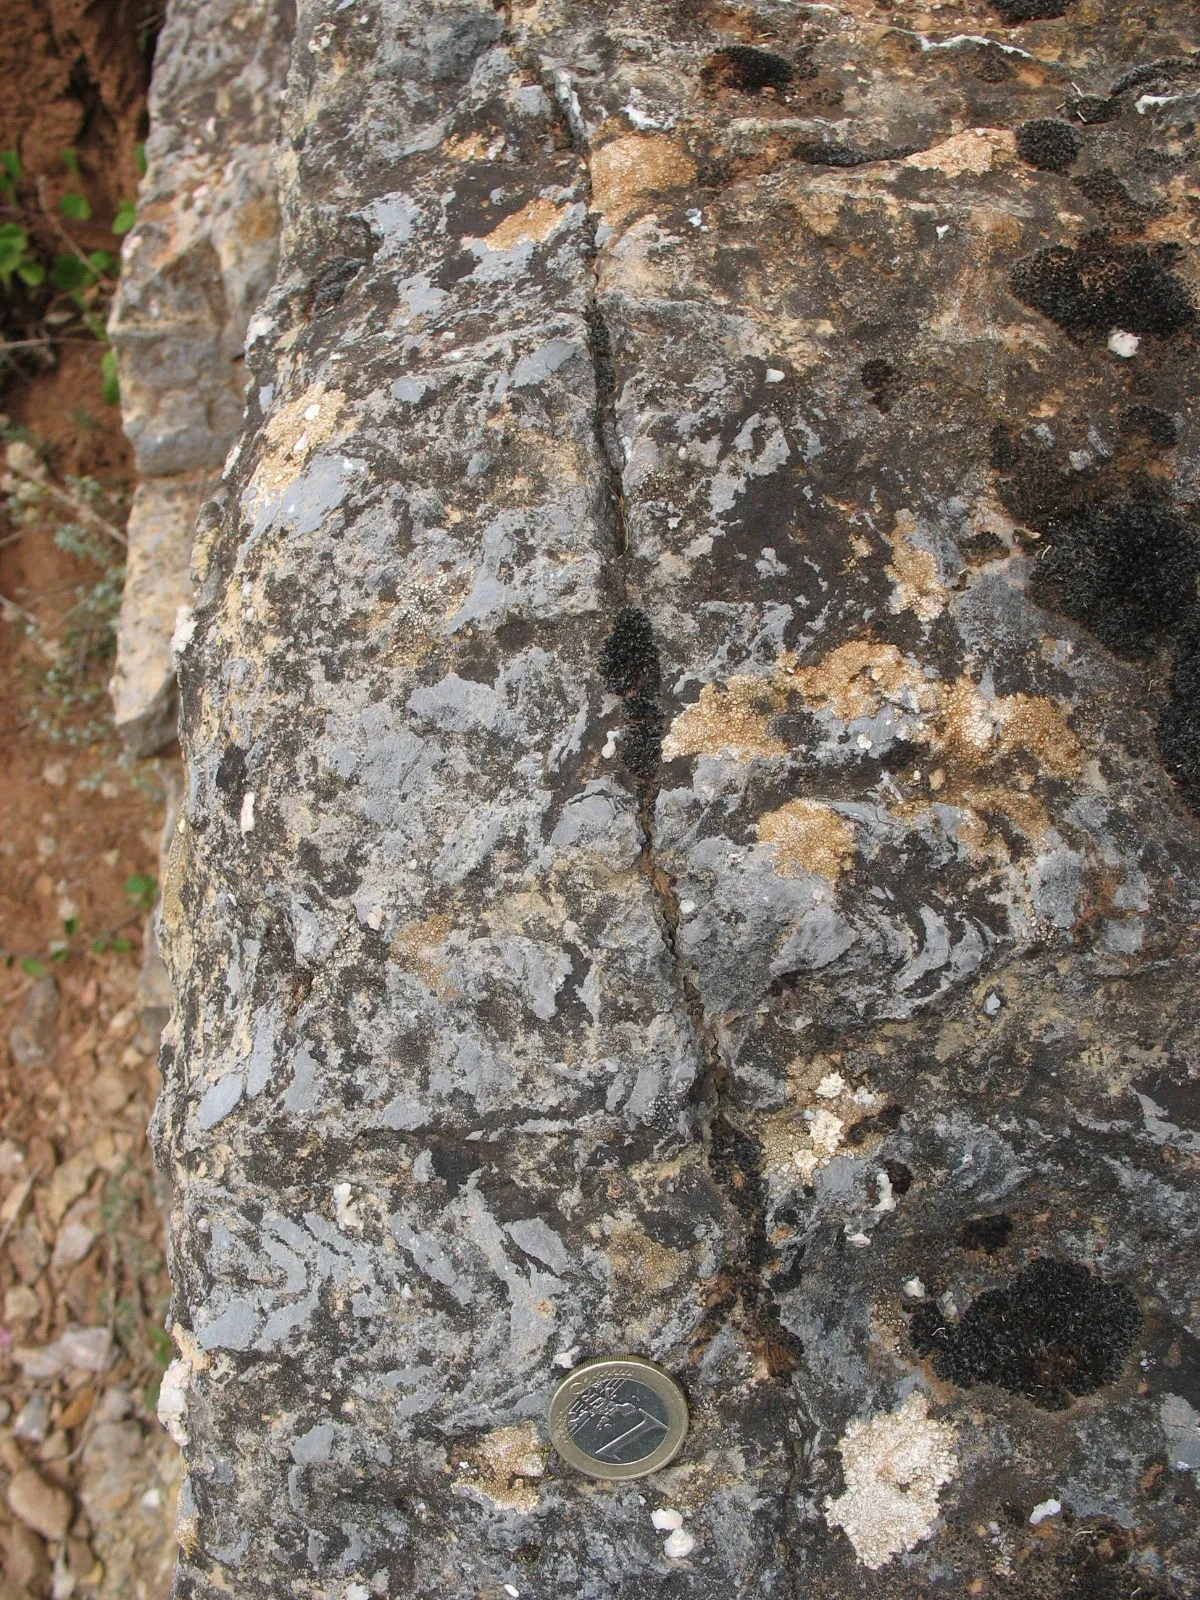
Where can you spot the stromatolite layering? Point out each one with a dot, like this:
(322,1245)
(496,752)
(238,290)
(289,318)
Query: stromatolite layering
(688,845)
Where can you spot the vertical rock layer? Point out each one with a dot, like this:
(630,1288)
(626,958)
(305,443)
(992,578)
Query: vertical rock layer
(676,855)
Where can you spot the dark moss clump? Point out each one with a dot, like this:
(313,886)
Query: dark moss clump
(988,1234)
(1097,286)
(1047,144)
(747,69)
(1125,571)
(1158,426)
(332,281)
(1179,725)
(1111,198)
(630,667)
(1055,1331)
(1014,11)
(881,381)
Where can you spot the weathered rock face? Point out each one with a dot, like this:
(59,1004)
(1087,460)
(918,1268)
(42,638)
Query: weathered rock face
(200,258)
(676,855)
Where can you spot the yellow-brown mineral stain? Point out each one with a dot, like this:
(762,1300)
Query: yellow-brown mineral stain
(294,432)
(808,837)
(413,947)
(507,1465)
(533,222)
(626,171)
(914,573)
(733,721)
(974,152)
(854,680)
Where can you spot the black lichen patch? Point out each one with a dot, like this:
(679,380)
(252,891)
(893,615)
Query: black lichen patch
(1111,199)
(1151,423)
(1014,11)
(1091,109)
(1178,730)
(1054,1332)
(992,65)
(881,381)
(747,69)
(1047,144)
(1126,571)
(988,1234)
(630,667)
(1097,286)
(331,283)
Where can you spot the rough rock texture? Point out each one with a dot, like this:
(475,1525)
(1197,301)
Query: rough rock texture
(668,864)
(198,261)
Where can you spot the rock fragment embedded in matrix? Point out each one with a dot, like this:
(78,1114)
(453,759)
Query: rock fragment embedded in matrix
(687,846)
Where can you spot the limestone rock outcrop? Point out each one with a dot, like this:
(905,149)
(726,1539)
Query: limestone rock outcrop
(688,845)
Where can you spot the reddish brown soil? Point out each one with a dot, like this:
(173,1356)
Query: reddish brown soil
(77,821)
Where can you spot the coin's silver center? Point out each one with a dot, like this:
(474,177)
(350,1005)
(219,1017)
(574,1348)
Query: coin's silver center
(617,1419)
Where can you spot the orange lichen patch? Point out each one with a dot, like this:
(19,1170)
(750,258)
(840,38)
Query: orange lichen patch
(728,722)
(808,837)
(534,222)
(855,679)
(626,171)
(413,946)
(507,1465)
(294,432)
(975,151)
(914,573)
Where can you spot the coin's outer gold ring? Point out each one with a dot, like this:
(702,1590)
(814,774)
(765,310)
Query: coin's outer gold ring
(589,1372)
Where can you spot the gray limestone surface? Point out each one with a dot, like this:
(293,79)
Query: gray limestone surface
(689,841)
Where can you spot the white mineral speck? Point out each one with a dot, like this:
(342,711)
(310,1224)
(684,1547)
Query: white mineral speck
(311,412)
(887,1200)
(1122,343)
(375,918)
(679,1545)
(567,1358)
(774,375)
(511,1588)
(1044,1509)
(992,1004)
(858,1239)
(914,1288)
(667,1520)
(246,820)
(830,1086)
(894,1465)
(695,217)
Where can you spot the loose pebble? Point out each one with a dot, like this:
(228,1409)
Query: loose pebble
(1044,1509)
(666,1520)
(678,1545)
(40,1505)
(1123,344)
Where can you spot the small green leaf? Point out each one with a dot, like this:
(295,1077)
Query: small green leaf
(141,887)
(100,945)
(75,207)
(34,967)
(31,273)
(101,261)
(11,162)
(13,243)
(121,945)
(110,387)
(71,161)
(139,155)
(71,927)
(68,272)
(59,954)
(125,218)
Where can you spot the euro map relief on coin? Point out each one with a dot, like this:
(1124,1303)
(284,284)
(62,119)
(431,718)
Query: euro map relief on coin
(617,1419)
